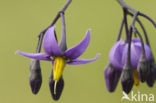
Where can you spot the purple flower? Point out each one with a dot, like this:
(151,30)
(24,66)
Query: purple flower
(118,53)
(58,57)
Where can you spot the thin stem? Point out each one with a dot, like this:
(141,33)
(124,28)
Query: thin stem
(135,35)
(135,30)
(63,44)
(66,5)
(142,42)
(126,24)
(132,27)
(124,5)
(128,60)
(120,31)
(134,19)
(38,50)
(41,35)
(154,23)
(143,28)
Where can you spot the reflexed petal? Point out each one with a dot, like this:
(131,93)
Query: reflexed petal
(77,50)
(82,61)
(116,53)
(37,56)
(50,45)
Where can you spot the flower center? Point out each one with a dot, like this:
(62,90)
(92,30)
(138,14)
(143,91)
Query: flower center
(59,64)
(136,78)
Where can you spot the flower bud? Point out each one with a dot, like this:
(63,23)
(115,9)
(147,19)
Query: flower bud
(112,76)
(35,77)
(127,80)
(150,77)
(56,87)
(154,69)
(143,68)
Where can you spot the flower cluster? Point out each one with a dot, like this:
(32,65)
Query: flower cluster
(130,59)
(58,55)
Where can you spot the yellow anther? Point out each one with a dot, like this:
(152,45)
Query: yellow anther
(136,78)
(59,64)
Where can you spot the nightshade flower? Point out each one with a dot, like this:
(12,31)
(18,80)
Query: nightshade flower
(130,59)
(118,53)
(118,58)
(60,58)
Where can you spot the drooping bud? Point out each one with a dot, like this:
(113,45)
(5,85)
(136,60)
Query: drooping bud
(112,76)
(56,87)
(150,77)
(127,80)
(35,77)
(154,69)
(143,68)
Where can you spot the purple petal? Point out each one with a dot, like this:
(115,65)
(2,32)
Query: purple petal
(115,55)
(37,56)
(118,53)
(77,50)
(50,45)
(147,50)
(135,55)
(135,40)
(82,61)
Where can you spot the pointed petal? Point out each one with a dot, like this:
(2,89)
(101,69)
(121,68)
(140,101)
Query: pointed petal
(50,45)
(77,50)
(37,56)
(82,61)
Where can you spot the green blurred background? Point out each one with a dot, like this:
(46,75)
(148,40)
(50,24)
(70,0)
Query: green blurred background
(22,20)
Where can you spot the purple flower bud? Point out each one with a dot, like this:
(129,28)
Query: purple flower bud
(56,87)
(112,76)
(150,77)
(35,77)
(143,68)
(154,69)
(127,80)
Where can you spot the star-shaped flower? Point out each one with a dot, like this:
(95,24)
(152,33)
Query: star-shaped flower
(60,57)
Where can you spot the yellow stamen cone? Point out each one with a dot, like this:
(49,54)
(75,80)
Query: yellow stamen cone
(59,64)
(136,78)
